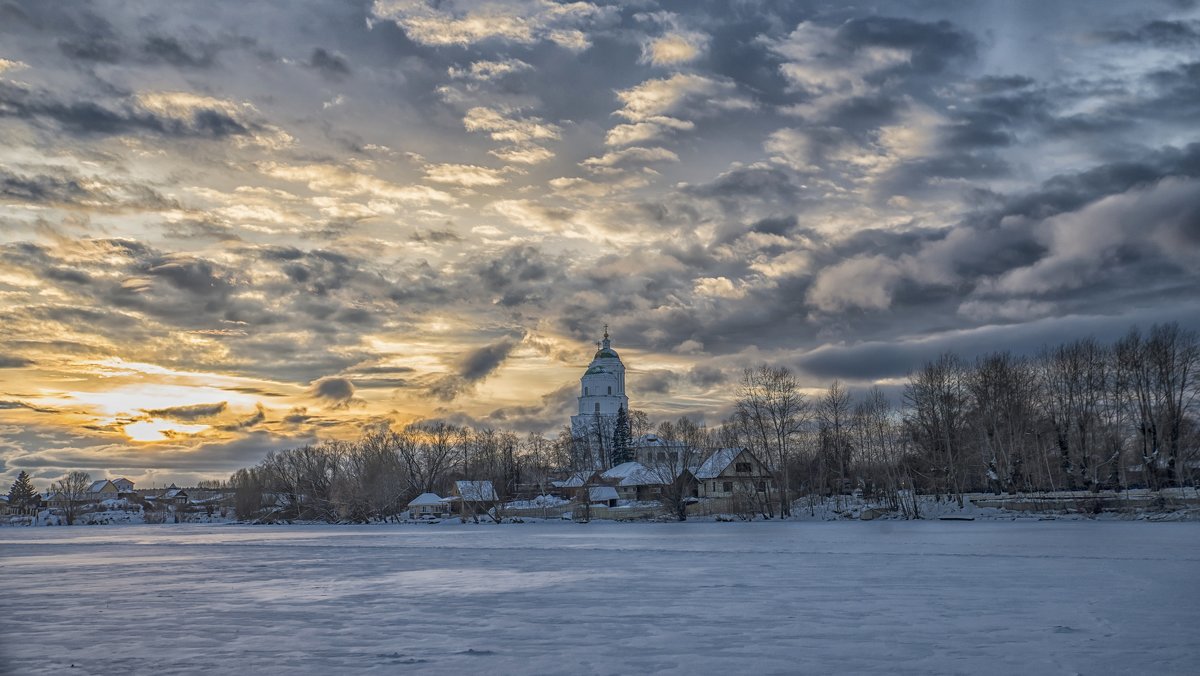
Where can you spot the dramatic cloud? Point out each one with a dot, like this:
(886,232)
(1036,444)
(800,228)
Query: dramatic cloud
(335,392)
(232,228)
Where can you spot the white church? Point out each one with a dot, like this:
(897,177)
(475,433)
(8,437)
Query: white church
(602,400)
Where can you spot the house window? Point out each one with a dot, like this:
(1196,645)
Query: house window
(742,468)
(727,486)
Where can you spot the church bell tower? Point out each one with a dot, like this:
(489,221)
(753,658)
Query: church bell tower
(601,396)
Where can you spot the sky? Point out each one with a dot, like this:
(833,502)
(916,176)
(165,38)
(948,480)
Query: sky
(231,227)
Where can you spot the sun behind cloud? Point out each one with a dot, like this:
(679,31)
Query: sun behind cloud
(156,429)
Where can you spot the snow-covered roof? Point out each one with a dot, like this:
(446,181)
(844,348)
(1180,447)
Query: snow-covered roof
(632,474)
(475,490)
(717,462)
(576,480)
(426,499)
(174,492)
(98,486)
(602,493)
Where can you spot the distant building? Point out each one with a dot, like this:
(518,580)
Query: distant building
(102,490)
(601,398)
(123,485)
(174,495)
(428,506)
(473,497)
(731,472)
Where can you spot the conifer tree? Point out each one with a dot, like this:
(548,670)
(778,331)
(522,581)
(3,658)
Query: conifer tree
(22,493)
(621,452)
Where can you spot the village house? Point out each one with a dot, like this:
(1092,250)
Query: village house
(731,472)
(124,486)
(173,495)
(571,486)
(102,490)
(472,497)
(650,449)
(632,480)
(428,506)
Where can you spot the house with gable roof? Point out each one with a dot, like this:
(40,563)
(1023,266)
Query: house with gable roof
(102,490)
(731,472)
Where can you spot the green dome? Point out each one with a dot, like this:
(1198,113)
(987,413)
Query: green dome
(606,352)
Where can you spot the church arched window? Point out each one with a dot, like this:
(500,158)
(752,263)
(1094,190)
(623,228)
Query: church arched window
(597,408)
(585,391)
(610,389)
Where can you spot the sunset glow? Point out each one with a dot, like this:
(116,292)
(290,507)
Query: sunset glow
(230,228)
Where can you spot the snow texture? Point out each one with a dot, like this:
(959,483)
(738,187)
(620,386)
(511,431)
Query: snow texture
(603,598)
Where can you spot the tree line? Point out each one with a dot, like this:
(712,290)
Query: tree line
(1081,415)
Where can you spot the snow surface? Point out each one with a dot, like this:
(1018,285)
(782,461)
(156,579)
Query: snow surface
(603,598)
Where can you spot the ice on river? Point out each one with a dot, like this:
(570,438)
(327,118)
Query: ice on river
(603,598)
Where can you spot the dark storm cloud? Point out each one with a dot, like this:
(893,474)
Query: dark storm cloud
(92,118)
(11,362)
(436,236)
(707,376)
(479,364)
(59,187)
(255,419)
(934,45)
(8,405)
(335,392)
(170,50)
(471,368)
(877,359)
(330,65)
(1158,32)
(192,412)
(659,381)
(95,48)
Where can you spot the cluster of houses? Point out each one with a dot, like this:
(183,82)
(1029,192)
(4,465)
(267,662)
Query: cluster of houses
(466,498)
(725,474)
(104,490)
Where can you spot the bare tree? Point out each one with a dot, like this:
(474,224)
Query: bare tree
(674,470)
(72,490)
(773,411)
(834,439)
(937,407)
(429,451)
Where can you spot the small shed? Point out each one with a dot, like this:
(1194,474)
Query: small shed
(428,506)
(603,495)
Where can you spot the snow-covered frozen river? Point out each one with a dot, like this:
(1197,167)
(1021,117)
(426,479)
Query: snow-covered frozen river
(603,598)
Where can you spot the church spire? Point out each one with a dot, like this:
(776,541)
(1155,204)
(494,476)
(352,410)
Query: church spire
(607,342)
